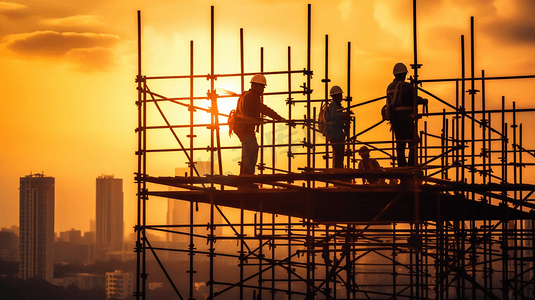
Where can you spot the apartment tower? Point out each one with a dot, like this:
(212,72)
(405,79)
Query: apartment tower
(110,213)
(36,239)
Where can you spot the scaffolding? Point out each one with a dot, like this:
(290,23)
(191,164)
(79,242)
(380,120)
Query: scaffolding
(459,226)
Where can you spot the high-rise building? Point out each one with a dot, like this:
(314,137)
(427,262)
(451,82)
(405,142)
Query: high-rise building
(9,244)
(109,217)
(119,284)
(36,244)
(178,211)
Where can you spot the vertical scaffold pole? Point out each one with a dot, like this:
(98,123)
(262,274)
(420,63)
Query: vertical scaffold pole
(394,263)
(472,105)
(326,80)
(191,111)
(242,248)
(289,253)
(515,232)
(308,88)
(473,137)
(310,283)
(515,152)
(211,92)
(458,140)
(273,256)
(504,241)
(260,250)
(140,181)
(504,146)
(213,130)
(214,109)
(262,163)
(191,249)
(191,169)
(483,131)
(463,108)
(290,104)
(242,228)
(414,146)
(348,104)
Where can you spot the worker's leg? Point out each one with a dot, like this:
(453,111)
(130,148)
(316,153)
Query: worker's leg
(338,152)
(401,134)
(400,152)
(249,154)
(411,155)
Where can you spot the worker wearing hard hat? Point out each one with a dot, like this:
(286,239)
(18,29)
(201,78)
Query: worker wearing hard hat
(400,103)
(336,121)
(368,164)
(248,116)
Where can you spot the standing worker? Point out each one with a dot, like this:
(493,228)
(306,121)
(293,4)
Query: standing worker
(400,104)
(336,120)
(248,116)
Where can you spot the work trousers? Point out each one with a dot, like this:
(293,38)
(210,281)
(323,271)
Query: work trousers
(249,153)
(404,134)
(338,152)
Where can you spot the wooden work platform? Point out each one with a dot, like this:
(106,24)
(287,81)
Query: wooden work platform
(343,202)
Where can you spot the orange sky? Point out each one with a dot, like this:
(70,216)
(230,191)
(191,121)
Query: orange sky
(68,70)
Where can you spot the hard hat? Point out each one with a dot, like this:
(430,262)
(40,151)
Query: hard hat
(259,78)
(336,90)
(363,150)
(400,68)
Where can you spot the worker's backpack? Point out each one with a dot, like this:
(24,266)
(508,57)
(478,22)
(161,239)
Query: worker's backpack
(322,124)
(386,112)
(231,121)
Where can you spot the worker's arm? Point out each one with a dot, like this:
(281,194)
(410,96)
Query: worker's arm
(265,110)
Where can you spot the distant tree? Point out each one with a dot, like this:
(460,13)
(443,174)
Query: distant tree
(93,294)
(9,268)
(16,288)
(101,267)
(63,270)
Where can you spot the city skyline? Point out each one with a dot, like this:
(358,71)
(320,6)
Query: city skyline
(69,71)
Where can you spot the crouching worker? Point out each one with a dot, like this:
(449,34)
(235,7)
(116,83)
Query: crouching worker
(248,115)
(368,164)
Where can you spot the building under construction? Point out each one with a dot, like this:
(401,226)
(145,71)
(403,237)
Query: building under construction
(457,226)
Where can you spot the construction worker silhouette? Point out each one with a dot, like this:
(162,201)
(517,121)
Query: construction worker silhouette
(336,121)
(248,116)
(367,164)
(400,102)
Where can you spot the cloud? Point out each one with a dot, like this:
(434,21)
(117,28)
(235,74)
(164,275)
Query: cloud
(517,26)
(517,32)
(52,43)
(5,6)
(13,10)
(75,21)
(345,9)
(88,52)
(91,59)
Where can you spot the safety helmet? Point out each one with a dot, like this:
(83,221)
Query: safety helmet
(336,90)
(400,68)
(259,78)
(363,150)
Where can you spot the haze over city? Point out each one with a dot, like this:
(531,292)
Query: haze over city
(68,72)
